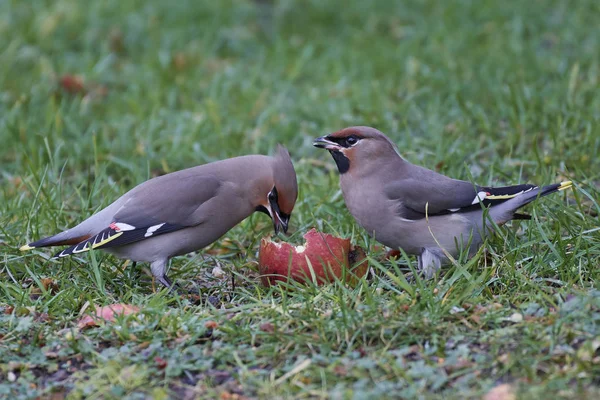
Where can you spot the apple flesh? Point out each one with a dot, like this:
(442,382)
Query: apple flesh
(323,258)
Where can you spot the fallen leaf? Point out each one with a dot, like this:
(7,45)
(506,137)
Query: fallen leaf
(106,313)
(393,254)
(516,318)
(340,370)
(267,327)
(231,396)
(218,272)
(143,345)
(42,317)
(50,285)
(161,363)
(211,325)
(60,395)
(179,61)
(72,84)
(116,41)
(501,392)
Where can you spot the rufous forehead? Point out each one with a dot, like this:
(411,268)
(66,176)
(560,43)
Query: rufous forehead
(345,133)
(285,205)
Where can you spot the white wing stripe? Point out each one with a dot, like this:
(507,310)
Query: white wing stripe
(479,197)
(150,231)
(124,227)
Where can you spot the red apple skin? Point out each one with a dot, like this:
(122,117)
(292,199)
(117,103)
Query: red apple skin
(327,254)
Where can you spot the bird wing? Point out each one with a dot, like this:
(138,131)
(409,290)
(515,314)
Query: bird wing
(417,198)
(154,208)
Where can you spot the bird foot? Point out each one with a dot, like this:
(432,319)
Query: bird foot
(429,263)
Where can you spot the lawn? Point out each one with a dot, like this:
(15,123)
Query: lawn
(98,96)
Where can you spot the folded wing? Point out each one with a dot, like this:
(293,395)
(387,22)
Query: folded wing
(150,211)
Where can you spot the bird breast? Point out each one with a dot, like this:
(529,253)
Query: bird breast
(367,204)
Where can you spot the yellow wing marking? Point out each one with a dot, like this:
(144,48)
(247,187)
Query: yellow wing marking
(565,185)
(96,245)
(502,196)
(103,242)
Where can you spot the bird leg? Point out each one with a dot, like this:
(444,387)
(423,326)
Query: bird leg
(429,262)
(159,271)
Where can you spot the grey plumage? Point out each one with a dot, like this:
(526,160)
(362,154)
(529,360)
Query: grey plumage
(184,211)
(406,206)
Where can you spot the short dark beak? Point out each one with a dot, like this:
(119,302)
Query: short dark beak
(280,222)
(324,143)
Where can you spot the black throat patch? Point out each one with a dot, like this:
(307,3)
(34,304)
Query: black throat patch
(342,162)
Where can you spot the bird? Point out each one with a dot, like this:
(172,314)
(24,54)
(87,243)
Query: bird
(184,211)
(406,206)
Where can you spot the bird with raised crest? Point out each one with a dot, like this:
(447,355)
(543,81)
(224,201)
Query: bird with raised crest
(402,205)
(184,211)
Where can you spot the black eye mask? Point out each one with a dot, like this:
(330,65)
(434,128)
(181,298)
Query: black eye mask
(345,142)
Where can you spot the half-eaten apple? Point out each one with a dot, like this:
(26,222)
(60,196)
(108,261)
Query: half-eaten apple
(323,258)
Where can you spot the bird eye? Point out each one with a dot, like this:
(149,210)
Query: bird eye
(273,195)
(351,140)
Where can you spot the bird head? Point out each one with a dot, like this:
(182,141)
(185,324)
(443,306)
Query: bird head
(356,146)
(281,197)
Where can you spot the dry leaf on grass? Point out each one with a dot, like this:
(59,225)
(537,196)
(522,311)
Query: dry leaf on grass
(501,392)
(72,84)
(267,327)
(106,313)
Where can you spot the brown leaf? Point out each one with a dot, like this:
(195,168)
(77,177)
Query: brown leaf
(161,363)
(50,285)
(143,345)
(460,364)
(72,84)
(501,392)
(231,396)
(211,324)
(393,254)
(116,42)
(106,313)
(179,61)
(60,395)
(267,327)
(42,317)
(340,370)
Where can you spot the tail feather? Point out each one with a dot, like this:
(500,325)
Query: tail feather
(82,231)
(507,210)
(528,197)
(546,190)
(60,239)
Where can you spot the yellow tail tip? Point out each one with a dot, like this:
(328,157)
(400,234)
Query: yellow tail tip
(26,247)
(565,185)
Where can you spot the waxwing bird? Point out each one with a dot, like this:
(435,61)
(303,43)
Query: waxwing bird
(184,211)
(402,205)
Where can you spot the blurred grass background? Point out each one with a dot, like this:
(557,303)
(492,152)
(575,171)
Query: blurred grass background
(96,97)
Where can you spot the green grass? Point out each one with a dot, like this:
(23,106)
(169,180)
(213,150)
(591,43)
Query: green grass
(503,92)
